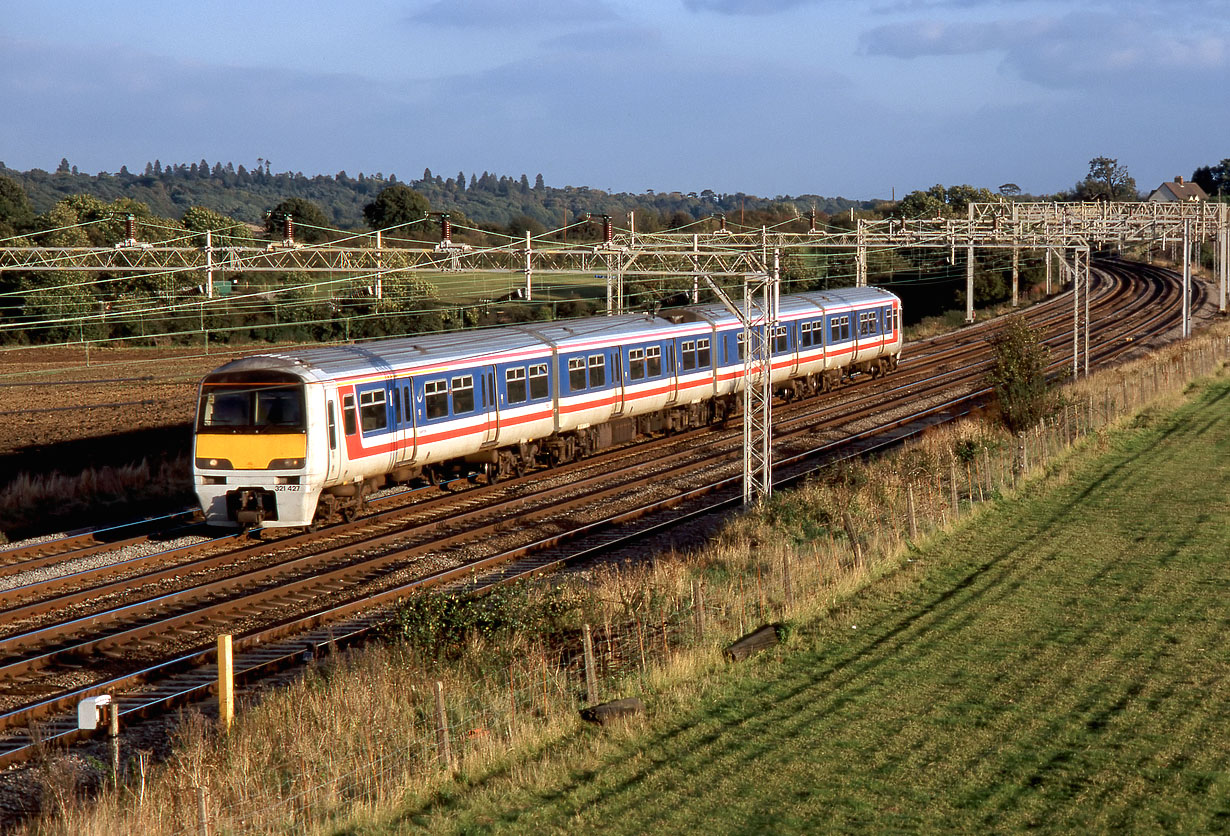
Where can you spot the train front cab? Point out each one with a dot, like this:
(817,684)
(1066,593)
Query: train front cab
(251,450)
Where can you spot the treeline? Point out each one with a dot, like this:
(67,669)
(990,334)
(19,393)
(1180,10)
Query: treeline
(245,207)
(495,203)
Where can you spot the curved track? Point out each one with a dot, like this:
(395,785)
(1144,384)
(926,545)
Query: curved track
(143,627)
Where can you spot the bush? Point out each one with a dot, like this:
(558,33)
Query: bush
(1018,375)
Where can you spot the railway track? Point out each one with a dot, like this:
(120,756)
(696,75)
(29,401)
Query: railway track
(143,629)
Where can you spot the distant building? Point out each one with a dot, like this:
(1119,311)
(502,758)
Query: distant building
(1178,190)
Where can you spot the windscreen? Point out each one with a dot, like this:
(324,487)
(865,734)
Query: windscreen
(253,402)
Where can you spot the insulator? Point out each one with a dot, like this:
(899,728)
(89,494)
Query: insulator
(608,230)
(130,227)
(446,228)
(288,227)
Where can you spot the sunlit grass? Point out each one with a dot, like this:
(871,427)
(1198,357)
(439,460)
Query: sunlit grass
(1058,664)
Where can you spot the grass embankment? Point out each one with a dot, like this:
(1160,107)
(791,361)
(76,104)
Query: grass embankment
(1060,664)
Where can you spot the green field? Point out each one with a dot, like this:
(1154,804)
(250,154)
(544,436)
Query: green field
(1058,665)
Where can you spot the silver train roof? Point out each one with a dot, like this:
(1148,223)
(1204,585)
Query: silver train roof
(509,343)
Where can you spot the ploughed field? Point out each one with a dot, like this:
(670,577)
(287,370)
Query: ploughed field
(58,413)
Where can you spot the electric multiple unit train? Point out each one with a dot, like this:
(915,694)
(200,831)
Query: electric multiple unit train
(299,438)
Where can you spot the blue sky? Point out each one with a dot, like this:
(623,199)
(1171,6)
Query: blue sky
(768,97)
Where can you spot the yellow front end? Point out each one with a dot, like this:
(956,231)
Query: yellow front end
(226,451)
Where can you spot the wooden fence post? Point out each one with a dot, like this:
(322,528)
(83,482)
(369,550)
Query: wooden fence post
(787,586)
(909,500)
(443,750)
(952,479)
(698,608)
(202,812)
(591,676)
(113,733)
(853,535)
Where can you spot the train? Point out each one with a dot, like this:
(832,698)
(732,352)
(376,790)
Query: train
(301,438)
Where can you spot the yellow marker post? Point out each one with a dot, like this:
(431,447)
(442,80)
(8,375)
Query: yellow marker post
(226,683)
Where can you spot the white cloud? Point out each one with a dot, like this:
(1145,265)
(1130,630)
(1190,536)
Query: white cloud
(1075,51)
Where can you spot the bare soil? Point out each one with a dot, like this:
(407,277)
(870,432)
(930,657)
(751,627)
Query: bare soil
(69,410)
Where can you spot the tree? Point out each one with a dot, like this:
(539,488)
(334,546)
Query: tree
(306,216)
(1215,180)
(920,204)
(960,197)
(396,205)
(1107,180)
(16,212)
(520,224)
(226,232)
(1018,376)
(1010,190)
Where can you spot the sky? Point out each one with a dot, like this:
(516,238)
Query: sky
(768,97)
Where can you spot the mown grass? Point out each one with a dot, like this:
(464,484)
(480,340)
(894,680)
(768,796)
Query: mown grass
(1060,666)
(355,740)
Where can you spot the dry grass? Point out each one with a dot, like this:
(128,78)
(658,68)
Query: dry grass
(91,495)
(357,737)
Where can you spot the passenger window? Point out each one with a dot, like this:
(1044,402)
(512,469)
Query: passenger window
(636,364)
(702,353)
(597,370)
(688,350)
(538,382)
(739,338)
(435,395)
(463,394)
(653,359)
(804,334)
(514,384)
(576,373)
(373,410)
(781,342)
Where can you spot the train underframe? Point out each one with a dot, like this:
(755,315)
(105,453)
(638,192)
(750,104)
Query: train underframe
(345,502)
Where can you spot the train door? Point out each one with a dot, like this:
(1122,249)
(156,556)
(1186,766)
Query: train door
(617,379)
(411,415)
(333,436)
(672,373)
(490,405)
(403,418)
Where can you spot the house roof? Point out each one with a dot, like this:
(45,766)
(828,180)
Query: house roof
(1178,190)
